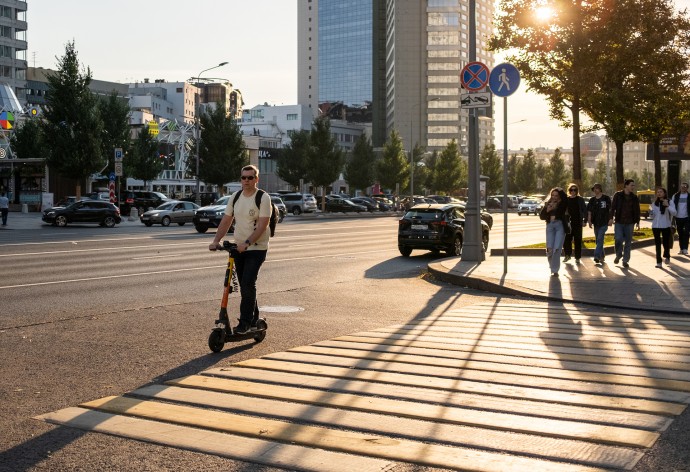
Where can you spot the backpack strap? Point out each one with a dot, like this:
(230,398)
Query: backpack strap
(257,198)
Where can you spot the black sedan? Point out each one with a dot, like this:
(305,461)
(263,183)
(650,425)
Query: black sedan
(438,227)
(85,211)
(343,205)
(369,203)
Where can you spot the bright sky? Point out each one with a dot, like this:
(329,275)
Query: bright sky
(127,41)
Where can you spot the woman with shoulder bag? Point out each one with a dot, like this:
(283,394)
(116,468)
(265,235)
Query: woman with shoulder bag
(662,212)
(555,213)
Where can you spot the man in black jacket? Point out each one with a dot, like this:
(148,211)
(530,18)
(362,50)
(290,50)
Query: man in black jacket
(598,210)
(625,212)
(681,200)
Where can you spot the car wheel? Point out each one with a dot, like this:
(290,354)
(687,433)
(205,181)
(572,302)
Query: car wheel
(148,223)
(181,223)
(201,228)
(61,221)
(456,248)
(519,214)
(297,211)
(165,221)
(109,222)
(405,251)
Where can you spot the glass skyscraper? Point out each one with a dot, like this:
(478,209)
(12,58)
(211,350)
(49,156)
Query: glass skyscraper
(345,51)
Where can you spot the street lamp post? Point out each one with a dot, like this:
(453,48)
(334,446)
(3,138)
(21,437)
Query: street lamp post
(197,131)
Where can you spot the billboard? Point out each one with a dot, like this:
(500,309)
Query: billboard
(672,148)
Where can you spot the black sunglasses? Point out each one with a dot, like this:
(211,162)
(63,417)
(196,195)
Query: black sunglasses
(247,177)
(572,189)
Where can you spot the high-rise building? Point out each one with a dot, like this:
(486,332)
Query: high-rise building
(13,45)
(403,56)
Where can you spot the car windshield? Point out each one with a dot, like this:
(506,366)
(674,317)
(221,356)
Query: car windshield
(530,202)
(424,215)
(222,200)
(166,206)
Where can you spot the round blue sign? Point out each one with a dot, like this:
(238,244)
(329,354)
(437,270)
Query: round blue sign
(474,76)
(504,79)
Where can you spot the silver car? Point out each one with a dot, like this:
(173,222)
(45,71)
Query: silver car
(529,206)
(170,212)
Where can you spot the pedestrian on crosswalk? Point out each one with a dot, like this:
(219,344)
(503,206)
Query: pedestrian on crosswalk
(662,212)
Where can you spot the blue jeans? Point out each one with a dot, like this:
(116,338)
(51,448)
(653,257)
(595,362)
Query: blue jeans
(555,235)
(4,212)
(247,265)
(683,225)
(622,233)
(599,234)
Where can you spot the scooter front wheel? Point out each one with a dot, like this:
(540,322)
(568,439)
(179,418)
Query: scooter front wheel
(216,340)
(263,326)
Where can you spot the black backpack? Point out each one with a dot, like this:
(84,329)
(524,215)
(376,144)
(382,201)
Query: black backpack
(273,220)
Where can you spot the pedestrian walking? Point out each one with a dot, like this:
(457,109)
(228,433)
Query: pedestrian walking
(251,237)
(4,207)
(680,200)
(625,214)
(555,213)
(662,212)
(598,210)
(577,209)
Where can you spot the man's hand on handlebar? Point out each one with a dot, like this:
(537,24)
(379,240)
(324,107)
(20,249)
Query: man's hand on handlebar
(214,246)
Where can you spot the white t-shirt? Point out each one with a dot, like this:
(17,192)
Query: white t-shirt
(682,206)
(247,215)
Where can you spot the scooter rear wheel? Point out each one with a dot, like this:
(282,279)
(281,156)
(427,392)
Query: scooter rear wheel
(215,340)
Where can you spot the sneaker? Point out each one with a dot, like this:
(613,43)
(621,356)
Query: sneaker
(667,260)
(566,258)
(596,261)
(681,252)
(577,260)
(626,265)
(241,328)
(658,265)
(617,260)
(685,251)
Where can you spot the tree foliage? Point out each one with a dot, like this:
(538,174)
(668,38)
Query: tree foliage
(114,112)
(556,173)
(27,141)
(513,170)
(359,170)
(325,159)
(526,178)
(451,169)
(393,168)
(292,165)
(143,161)
(221,152)
(491,166)
(71,122)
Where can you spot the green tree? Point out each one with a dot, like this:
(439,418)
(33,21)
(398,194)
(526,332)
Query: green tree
(27,140)
(72,125)
(429,180)
(393,169)
(492,167)
(359,170)
(541,171)
(513,171)
(114,112)
(221,152)
(450,169)
(599,176)
(292,166)
(420,170)
(325,159)
(143,161)
(556,173)
(526,178)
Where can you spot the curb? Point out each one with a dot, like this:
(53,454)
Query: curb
(586,252)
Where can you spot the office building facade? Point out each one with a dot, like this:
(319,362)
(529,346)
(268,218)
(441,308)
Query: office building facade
(13,45)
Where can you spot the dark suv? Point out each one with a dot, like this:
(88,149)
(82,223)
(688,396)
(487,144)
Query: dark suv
(84,211)
(141,200)
(435,227)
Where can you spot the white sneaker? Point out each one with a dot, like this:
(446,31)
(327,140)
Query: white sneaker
(685,251)
(667,260)
(658,265)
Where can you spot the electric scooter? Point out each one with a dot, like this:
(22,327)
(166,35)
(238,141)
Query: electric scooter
(223,332)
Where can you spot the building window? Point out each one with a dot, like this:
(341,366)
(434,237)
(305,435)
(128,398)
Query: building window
(292,116)
(5,31)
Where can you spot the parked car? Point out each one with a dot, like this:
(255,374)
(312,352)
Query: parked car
(210,216)
(444,199)
(103,196)
(145,200)
(343,205)
(438,227)
(369,203)
(493,203)
(280,205)
(528,206)
(206,198)
(170,212)
(298,203)
(512,203)
(84,211)
(63,202)
(484,215)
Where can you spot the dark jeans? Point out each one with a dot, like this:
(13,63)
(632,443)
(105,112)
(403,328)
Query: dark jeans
(4,215)
(662,236)
(247,265)
(574,237)
(683,225)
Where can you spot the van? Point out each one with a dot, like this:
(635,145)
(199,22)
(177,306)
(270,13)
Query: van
(646,198)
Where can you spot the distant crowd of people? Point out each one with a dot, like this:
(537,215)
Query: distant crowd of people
(567,214)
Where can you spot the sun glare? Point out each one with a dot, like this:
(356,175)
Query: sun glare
(544,13)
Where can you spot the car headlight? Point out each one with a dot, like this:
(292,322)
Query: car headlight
(220,213)
(50,213)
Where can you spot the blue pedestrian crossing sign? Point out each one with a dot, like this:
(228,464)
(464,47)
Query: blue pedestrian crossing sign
(504,80)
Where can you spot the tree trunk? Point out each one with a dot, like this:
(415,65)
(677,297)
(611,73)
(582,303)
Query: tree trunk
(620,178)
(577,160)
(657,164)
